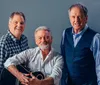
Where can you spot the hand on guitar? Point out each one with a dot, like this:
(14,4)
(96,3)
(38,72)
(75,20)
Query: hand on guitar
(34,81)
(31,78)
(23,78)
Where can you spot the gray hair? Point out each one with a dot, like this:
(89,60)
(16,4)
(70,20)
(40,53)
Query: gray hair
(17,13)
(81,6)
(42,28)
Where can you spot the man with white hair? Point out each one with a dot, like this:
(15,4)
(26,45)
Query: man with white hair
(42,58)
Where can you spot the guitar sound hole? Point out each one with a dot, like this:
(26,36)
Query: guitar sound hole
(38,74)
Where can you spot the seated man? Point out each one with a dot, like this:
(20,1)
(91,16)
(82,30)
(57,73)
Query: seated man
(42,58)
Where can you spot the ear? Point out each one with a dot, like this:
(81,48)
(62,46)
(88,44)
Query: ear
(35,41)
(51,39)
(86,19)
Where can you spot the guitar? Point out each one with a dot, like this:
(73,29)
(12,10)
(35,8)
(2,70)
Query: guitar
(7,78)
(38,74)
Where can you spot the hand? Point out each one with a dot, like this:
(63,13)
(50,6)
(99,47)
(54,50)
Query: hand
(23,78)
(34,80)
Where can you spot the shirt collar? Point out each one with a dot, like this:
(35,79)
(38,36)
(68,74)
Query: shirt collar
(81,32)
(12,37)
(49,55)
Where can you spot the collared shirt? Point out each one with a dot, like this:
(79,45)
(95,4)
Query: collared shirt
(10,46)
(77,37)
(50,67)
(95,48)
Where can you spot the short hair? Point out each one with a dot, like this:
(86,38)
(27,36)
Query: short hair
(17,13)
(81,6)
(42,28)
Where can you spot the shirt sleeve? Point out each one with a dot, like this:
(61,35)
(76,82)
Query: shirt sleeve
(96,52)
(57,70)
(17,59)
(3,55)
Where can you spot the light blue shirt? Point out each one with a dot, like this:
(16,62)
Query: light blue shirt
(95,47)
(50,67)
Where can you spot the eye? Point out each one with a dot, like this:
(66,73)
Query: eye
(47,37)
(39,38)
(21,23)
(79,17)
(15,22)
(73,16)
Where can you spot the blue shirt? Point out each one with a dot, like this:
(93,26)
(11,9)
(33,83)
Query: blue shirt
(95,48)
(50,67)
(10,46)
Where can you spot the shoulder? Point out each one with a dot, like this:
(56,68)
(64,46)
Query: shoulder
(91,31)
(97,36)
(57,55)
(23,37)
(32,51)
(68,29)
(57,58)
(4,39)
(24,40)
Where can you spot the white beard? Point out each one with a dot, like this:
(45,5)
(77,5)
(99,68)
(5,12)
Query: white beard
(44,47)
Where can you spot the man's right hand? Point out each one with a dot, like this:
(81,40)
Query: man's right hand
(23,78)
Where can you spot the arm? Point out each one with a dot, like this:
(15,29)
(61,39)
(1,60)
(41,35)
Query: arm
(3,55)
(13,61)
(46,81)
(20,76)
(17,59)
(57,70)
(64,78)
(96,52)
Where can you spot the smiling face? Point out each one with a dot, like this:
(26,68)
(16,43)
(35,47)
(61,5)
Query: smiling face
(16,25)
(43,39)
(77,19)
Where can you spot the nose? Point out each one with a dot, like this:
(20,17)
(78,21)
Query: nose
(77,19)
(18,24)
(43,39)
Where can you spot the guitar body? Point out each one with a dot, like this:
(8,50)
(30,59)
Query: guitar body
(6,78)
(38,74)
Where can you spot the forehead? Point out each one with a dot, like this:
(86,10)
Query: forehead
(75,11)
(17,17)
(42,33)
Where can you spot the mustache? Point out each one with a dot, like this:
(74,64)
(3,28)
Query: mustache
(18,28)
(44,43)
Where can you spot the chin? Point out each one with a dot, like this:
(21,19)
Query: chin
(77,27)
(18,34)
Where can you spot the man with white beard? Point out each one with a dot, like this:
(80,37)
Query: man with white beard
(42,58)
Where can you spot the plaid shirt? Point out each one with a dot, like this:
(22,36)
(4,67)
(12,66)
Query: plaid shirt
(10,46)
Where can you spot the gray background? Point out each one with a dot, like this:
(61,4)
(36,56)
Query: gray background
(51,13)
